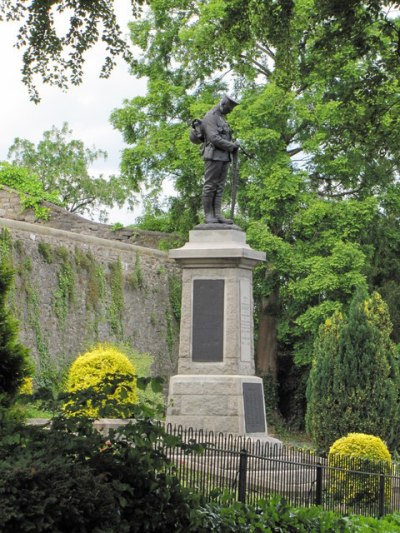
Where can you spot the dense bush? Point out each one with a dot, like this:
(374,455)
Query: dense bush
(354,380)
(359,452)
(15,363)
(70,478)
(91,369)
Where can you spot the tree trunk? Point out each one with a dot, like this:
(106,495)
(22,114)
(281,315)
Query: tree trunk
(267,345)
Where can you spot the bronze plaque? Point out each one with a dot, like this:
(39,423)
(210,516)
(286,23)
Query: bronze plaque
(208,320)
(254,416)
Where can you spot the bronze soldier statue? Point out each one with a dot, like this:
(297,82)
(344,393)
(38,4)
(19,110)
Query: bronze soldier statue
(217,154)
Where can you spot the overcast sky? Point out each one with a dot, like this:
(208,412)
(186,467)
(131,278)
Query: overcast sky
(86,108)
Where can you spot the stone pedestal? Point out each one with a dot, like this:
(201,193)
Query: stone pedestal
(215,388)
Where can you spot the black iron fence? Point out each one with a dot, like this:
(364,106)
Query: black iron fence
(250,470)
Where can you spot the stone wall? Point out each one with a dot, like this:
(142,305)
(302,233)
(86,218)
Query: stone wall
(74,287)
(10,208)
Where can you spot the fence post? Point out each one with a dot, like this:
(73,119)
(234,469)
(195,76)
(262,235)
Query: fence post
(381,494)
(318,492)
(242,476)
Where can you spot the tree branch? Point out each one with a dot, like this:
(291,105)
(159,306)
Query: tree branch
(261,68)
(294,151)
(266,50)
(84,203)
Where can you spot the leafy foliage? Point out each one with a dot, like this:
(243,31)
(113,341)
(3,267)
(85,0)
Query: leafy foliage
(68,477)
(90,370)
(354,380)
(30,187)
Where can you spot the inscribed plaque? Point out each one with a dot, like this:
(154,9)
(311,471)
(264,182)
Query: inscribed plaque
(254,416)
(208,320)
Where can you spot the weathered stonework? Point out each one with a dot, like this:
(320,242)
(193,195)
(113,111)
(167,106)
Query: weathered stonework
(215,388)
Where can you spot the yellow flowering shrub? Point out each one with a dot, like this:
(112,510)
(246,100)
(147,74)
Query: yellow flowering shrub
(90,370)
(359,453)
(26,387)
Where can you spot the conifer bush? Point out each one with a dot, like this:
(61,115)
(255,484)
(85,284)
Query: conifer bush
(95,369)
(354,379)
(359,452)
(15,364)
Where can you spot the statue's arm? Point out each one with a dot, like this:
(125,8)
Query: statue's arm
(213,134)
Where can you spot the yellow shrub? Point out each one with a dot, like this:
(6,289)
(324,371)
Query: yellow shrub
(90,370)
(26,387)
(359,452)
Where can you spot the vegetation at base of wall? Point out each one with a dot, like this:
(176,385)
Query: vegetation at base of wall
(143,363)
(115,309)
(91,370)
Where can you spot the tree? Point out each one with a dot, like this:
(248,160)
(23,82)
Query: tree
(14,356)
(324,135)
(58,60)
(354,381)
(62,164)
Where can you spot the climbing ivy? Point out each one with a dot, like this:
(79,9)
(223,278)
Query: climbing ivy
(64,295)
(46,252)
(136,278)
(116,305)
(175,295)
(6,248)
(5,244)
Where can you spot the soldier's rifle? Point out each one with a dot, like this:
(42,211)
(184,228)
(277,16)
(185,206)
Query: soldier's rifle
(236,176)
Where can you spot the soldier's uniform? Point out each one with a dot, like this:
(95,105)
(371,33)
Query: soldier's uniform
(217,150)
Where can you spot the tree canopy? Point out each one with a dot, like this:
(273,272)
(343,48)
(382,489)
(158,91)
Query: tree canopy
(61,164)
(324,134)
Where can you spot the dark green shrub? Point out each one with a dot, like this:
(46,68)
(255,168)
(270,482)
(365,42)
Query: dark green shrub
(15,362)
(69,478)
(354,381)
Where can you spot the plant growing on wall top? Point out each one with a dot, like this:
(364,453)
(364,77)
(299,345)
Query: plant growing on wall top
(30,188)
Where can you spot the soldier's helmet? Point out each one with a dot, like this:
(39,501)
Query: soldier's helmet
(230,101)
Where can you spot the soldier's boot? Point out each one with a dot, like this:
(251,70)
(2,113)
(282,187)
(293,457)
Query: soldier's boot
(208,210)
(217,210)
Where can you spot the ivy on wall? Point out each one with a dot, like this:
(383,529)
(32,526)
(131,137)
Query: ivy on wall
(96,289)
(64,295)
(115,309)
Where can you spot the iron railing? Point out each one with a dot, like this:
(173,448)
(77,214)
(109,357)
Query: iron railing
(250,470)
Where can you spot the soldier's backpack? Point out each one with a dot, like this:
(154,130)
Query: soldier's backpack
(196,134)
